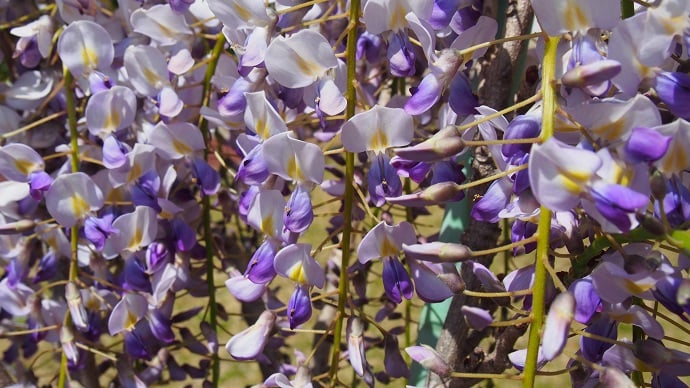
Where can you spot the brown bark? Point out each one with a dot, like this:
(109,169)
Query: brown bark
(458,343)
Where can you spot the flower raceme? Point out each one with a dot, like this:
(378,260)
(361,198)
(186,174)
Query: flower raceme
(151,149)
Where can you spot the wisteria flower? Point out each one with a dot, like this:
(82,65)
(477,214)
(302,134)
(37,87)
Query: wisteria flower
(385,242)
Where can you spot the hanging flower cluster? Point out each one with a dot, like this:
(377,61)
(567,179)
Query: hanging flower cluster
(153,150)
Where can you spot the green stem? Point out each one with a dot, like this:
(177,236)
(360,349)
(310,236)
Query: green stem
(206,203)
(351,95)
(74,235)
(539,288)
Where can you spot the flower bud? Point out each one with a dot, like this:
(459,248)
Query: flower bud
(445,143)
(429,359)
(437,194)
(355,345)
(438,252)
(657,184)
(250,342)
(557,325)
(68,345)
(591,74)
(476,317)
(651,224)
(17,227)
(76,307)
(451,278)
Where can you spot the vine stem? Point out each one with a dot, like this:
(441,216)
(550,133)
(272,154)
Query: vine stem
(349,198)
(539,288)
(74,233)
(206,204)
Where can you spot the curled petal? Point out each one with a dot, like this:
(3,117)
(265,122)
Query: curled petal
(244,289)
(425,96)
(250,342)
(557,325)
(355,345)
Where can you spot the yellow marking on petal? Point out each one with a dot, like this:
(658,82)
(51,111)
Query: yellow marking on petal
(675,159)
(79,205)
(674,24)
(181,148)
(131,320)
(397,19)
(293,169)
(379,141)
(151,77)
(610,131)
(261,128)
(134,173)
(388,248)
(574,181)
(92,304)
(574,17)
(635,288)
(297,274)
(267,225)
(242,12)
(89,57)
(135,241)
(24,166)
(308,68)
(112,121)
(622,176)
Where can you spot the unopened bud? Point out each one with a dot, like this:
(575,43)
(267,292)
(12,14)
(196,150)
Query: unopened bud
(451,278)
(76,306)
(444,144)
(438,252)
(557,325)
(476,317)
(591,73)
(69,348)
(651,224)
(355,345)
(657,184)
(17,227)
(430,359)
(437,194)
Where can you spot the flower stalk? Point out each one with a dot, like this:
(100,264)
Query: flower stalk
(539,288)
(206,203)
(349,197)
(74,235)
